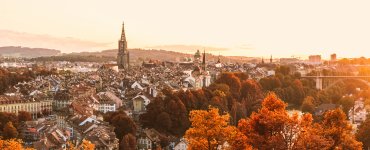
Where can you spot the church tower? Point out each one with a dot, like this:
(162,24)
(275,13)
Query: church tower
(204,60)
(123,61)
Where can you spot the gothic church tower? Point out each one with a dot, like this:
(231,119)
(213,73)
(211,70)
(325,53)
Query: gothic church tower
(123,60)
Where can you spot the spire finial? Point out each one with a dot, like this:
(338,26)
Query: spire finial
(123,36)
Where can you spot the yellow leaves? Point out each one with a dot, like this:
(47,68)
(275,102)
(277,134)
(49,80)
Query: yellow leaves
(273,103)
(12,144)
(270,128)
(336,126)
(209,130)
(71,146)
(87,145)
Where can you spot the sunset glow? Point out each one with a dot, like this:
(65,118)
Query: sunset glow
(247,28)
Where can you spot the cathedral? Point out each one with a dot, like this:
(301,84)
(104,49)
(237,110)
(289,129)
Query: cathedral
(123,57)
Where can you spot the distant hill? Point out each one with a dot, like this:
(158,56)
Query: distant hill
(27,52)
(136,55)
(139,55)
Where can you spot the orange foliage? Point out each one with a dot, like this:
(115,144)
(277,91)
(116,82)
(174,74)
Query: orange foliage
(87,145)
(273,128)
(12,144)
(209,130)
(336,127)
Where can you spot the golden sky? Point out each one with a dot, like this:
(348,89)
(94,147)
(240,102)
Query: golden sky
(282,28)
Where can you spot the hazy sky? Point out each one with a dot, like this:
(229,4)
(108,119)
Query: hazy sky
(281,28)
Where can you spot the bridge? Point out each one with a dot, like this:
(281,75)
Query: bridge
(319,80)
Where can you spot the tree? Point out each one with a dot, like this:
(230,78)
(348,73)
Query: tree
(307,105)
(164,120)
(12,144)
(273,128)
(336,127)
(285,70)
(298,92)
(24,116)
(123,125)
(241,75)
(270,83)
(232,81)
(87,145)
(347,103)
(128,142)
(6,117)
(263,127)
(310,135)
(10,131)
(251,89)
(363,133)
(209,130)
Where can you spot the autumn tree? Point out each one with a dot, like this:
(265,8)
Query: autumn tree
(363,133)
(128,142)
(310,136)
(24,116)
(273,128)
(87,145)
(232,81)
(123,125)
(12,144)
(10,131)
(263,127)
(336,127)
(285,70)
(164,120)
(168,113)
(299,94)
(270,83)
(209,130)
(347,103)
(251,89)
(6,117)
(308,105)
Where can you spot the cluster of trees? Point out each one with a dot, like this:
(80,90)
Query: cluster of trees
(240,97)
(11,77)
(124,127)
(232,92)
(300,93)
(354,61)
(363,133)
(12,144)
(288,86)
(10,124)
(272,127)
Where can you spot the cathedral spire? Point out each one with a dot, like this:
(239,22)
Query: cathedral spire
(218,61)
(204,60)
(123,35)
(271,59)
(123,57)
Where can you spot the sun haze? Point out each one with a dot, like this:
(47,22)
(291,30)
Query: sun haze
(246,28)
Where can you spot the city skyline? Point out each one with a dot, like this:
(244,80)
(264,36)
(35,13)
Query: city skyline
(240,28)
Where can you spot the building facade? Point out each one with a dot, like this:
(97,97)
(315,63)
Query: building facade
(14,104)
